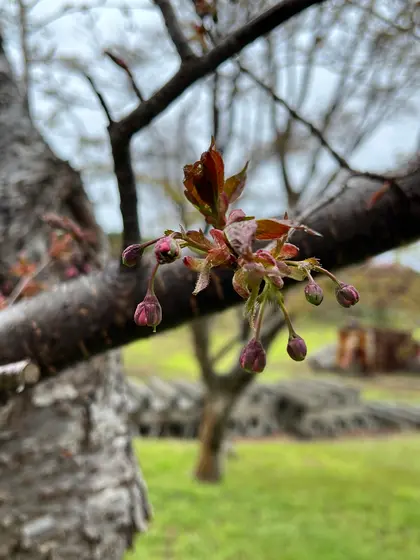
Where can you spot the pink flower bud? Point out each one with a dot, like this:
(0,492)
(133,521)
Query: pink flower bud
(149,312)
(347,295)
(296,348)
(167,250)
(253,357)
(131,254)
(71,272)
(314,293)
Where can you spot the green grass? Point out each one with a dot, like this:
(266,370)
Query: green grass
(348,500)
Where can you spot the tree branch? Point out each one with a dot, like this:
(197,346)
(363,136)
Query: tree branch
(127,189)
(125,176)
(198,68)
(201,339)
(95,313)
(175,31)
(315,132)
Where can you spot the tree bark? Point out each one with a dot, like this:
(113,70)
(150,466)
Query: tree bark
(69,482)
(216,411)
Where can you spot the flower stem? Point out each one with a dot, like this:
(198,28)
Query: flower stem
(151,284)
(280,301)
(260,318)
(327,273)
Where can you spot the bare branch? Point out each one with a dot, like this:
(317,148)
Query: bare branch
(174,29)
(198,68)
(99,97)
(127,189)
(119,62)
(316,132)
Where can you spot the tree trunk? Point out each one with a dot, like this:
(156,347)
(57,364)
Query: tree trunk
(216,411)
(69,482)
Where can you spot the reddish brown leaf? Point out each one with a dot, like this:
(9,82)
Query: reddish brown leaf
(272,229)
(235,185)
(288,251)
(204,182)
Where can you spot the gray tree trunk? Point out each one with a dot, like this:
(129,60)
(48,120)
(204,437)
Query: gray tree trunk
(70,487)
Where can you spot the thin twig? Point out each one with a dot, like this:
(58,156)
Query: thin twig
(196,69)
(174,29)
(315,132)
(100,97)
(119,62)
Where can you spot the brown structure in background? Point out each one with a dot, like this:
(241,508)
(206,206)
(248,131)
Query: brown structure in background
(370,350)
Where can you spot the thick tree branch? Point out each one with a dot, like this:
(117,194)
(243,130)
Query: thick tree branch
(175,31)
(198,68)
(87,316)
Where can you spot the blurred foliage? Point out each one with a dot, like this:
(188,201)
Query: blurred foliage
(388,296)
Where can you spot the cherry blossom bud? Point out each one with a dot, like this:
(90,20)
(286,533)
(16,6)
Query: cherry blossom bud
(149,312)
(296,348)
(314,293)
(71,272)
(347,295)
(131,254)
(167,250)
(253,357)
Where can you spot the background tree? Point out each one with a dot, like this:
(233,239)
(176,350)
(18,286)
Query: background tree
(73,426)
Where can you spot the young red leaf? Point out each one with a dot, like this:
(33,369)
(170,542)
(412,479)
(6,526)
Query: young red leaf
(240,283)
(235,185)
(270,228)
(288,251)
(204,181)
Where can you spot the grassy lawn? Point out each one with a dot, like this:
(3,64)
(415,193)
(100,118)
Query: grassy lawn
(348,500)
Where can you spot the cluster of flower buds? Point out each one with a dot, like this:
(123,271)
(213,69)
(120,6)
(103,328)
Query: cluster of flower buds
(258,275)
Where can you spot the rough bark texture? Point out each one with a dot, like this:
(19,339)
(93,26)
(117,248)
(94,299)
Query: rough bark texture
(69,484)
